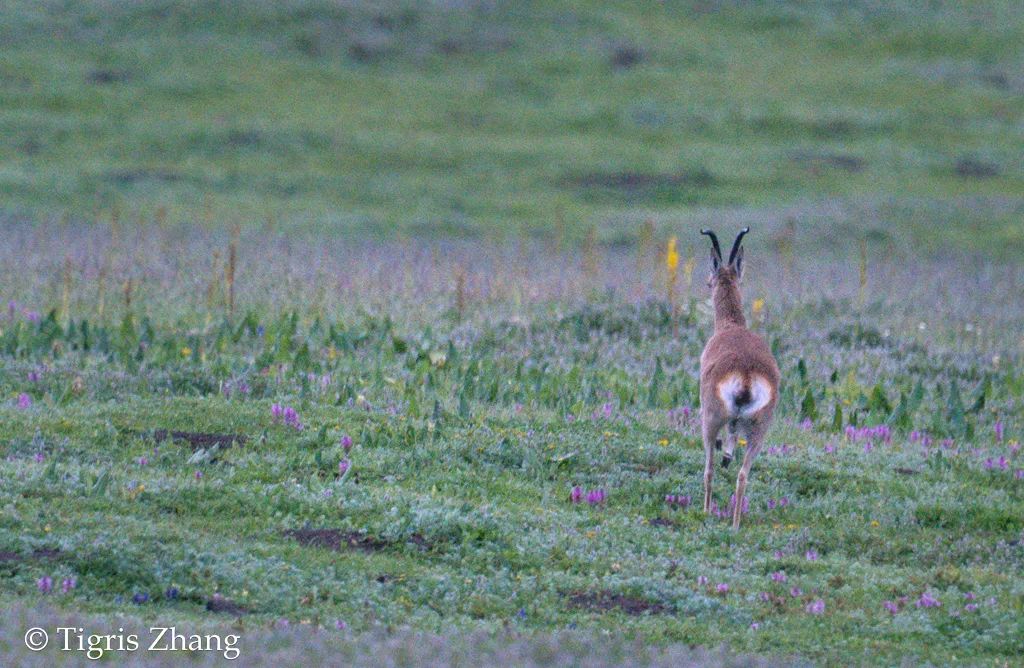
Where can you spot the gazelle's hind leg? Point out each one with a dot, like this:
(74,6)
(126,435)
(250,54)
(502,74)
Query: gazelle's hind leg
(755,437)
(732,434)
(710,429)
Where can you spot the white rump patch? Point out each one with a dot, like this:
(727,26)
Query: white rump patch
(733,386)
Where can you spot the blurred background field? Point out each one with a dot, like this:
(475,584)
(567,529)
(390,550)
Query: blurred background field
(332,304)
(539,119)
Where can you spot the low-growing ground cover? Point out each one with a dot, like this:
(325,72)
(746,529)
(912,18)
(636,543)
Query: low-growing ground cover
(454,441)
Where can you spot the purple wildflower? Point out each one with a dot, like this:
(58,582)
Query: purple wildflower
(891,607)
(33,376)
(998,428)
(67,584)
(816,607)
(276,412)
(143,461)
(576,495)
(970,596)
(928,601)
(24,401)
(45,584)
(291,418)
(755,626)
(343,466)
(779,576)
(1002,463)
(39,457)
(171,593)
(796,592)
(807,424)
(346,443)
(199,475)
(811,555)
(1019,475)
(340,625)
(722,588)
(765,596)
(702,580)
(971,607)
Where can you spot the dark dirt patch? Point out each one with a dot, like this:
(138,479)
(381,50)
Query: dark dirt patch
(973,168)
(336,540)
(222,605)
(199,440)
(368,52)
(819,161)
(107,76)
(905,471)
(129,177)
(385,578)
(662,522)
(34,555)
(642,185)
(606,601)
(626,56)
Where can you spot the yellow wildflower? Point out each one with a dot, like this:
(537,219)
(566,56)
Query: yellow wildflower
(758,305)
(186,351)
(672,256)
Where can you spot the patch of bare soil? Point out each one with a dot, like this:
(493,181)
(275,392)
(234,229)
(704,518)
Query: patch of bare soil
(661,522)
(34,555)
(107,76)
(606,601)
(638,183)
(199,440)
(336,540)
(132,176)
(971,168)
(819,161)
(222,605)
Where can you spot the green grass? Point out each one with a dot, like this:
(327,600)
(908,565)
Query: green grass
(481,119)
(443,255)
(470,431)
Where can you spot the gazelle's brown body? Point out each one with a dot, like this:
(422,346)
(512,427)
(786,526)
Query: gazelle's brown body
(739,379)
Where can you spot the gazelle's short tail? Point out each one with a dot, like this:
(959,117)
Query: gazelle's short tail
(743,396)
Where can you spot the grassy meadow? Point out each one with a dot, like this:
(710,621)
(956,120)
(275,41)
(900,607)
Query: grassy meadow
(315,315)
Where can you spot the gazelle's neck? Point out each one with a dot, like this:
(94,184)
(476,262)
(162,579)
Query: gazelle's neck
(728,306)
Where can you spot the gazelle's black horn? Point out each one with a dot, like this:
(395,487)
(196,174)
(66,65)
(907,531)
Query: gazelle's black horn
(714,242)
(736,244)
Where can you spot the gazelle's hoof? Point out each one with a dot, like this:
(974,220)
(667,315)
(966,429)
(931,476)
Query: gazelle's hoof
(726,460)
(718,444)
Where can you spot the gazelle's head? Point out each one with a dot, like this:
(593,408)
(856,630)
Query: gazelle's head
(726,273)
